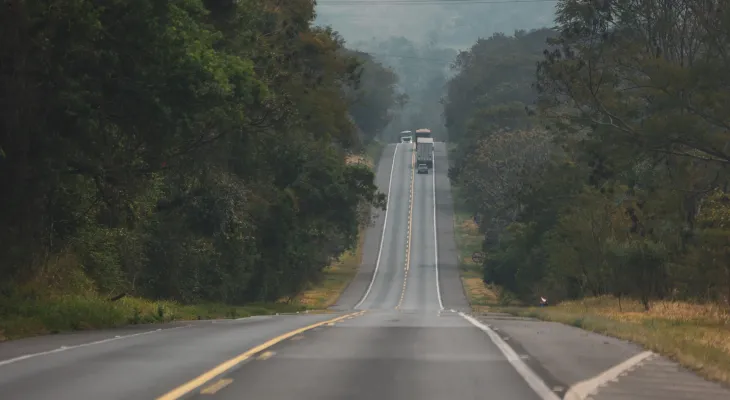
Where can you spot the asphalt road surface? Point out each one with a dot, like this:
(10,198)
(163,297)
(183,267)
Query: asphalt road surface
(399,331)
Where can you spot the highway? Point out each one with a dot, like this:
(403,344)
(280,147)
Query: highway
(401,330)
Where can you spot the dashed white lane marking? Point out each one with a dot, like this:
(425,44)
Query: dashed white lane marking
(534,381)
(382,237)
(78,346)
(583,389)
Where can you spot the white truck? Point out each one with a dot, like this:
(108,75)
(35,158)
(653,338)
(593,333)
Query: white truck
(406,137)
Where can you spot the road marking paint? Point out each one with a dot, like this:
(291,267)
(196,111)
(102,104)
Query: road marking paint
(382,237)
(410,232)
(208,376)
(214,388)
(435,232)
(583,389)
(403,290)
(534,381)
(66,348)
(265,355)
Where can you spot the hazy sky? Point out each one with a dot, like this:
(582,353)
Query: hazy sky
(458,24)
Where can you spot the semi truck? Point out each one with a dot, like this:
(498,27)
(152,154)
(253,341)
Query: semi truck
(424,151)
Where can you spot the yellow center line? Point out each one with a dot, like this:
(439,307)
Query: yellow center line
(208,376)
(408,239)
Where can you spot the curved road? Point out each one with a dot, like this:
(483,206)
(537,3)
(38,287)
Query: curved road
(399,331)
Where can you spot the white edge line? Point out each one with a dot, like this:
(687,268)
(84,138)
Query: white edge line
(583,389)
(534,381)
(435,229)
(66,348)
(382,237)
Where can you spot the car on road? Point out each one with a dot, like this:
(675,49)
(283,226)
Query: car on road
(422,169)
(405,139)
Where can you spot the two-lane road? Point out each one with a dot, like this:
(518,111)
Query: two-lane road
(406,343)
(422,291)
(396,333)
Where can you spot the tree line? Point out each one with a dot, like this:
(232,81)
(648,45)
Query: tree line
(595,154)
(193,150)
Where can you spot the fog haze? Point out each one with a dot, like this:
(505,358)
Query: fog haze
(419,39)
(456,25)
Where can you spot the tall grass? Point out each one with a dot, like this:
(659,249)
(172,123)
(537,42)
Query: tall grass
(695,335)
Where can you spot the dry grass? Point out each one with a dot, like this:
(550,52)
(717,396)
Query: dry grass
(469,240)
(359,159)
(335,279)
(695,335)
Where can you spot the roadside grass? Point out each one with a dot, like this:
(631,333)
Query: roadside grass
(24,317)
(373,151)
(469,240)
(696,336)
(335,279)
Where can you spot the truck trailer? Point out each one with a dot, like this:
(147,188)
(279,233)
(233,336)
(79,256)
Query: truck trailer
(424,151)
(406,136)
(423,133)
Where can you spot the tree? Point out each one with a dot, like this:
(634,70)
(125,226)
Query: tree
(189,150)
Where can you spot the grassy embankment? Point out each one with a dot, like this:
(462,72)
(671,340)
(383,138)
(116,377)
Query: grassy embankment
(338,275)
(32,311)
(468,240)
(695,335)
(60,313)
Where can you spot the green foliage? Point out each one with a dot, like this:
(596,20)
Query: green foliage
(615,183)
(184,150)
(374,96)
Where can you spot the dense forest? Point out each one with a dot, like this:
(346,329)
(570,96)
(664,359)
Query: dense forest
(594,155)
(193,150)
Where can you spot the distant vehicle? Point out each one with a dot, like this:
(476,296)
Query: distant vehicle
(405,134)
(423,133)
(424,151)
(422,169)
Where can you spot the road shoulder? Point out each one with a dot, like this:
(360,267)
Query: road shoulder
(595,366)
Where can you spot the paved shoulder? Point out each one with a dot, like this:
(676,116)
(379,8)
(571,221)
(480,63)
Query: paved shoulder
(583,365)
(653,377)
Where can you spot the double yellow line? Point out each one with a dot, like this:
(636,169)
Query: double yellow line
(410,225)
(201,380)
